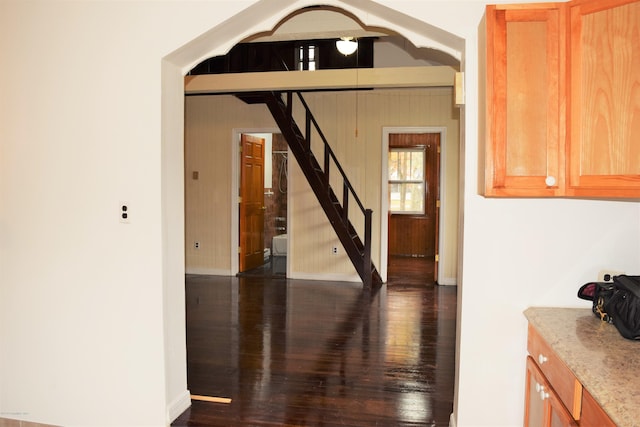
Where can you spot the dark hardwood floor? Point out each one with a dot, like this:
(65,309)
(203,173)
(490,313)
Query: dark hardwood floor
(310,353)
(410,271)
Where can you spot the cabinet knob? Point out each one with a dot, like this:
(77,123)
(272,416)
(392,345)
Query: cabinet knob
(543,394)
(542,358)
(550,181)
(538,387)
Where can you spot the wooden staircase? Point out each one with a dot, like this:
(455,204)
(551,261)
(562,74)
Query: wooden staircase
(358,249)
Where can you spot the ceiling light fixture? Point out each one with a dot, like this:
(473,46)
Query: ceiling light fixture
(346,45)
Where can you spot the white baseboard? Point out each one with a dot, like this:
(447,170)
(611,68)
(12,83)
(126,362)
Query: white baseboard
(178,406)
(299,276)
(448,281)
(326,277)
(208,271)
(452,420)
(17,422)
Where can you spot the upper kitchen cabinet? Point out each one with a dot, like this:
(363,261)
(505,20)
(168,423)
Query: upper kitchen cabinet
(525,100)
(604,135)
(562,87)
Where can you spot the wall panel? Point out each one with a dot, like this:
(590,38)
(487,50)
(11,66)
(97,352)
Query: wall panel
(209,125)
(352,121)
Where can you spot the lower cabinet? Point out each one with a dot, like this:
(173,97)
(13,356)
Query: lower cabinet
(553,395)
(543,406)
(592,413)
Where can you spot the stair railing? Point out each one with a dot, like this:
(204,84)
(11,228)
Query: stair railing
(347,189)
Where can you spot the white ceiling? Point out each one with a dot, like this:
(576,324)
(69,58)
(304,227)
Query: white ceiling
(317,24)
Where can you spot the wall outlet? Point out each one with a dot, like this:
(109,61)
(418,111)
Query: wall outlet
(334,250)
(607,275)
(125,216)
(196,245)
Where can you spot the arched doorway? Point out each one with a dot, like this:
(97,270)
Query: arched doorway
(263,16)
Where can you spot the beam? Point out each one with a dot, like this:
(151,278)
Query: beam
(353,78)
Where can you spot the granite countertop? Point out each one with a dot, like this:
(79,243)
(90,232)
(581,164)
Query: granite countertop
(602,360)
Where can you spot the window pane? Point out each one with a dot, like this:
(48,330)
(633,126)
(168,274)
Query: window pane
(307,57)
(406,180)
(406,165)
(407,197)
(393,165)
(417,165)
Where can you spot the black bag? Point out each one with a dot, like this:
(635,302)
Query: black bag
(624,306)
(616,302)
(598,292)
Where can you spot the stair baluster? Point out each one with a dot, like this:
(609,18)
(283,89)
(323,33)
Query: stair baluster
(318,177)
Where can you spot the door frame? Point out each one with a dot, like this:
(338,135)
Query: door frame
(384,192)
(235,193)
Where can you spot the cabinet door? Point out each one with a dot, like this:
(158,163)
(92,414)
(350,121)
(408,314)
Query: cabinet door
(543,407)
(564,382)
(524,149)
(604,136)
(534,406)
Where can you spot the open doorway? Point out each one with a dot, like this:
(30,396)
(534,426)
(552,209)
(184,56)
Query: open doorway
(263,236)
(412,193)
(413,188)
(429,103)
(174,67)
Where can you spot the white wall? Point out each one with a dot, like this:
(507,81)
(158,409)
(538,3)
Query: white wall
(91,310)
(82,339)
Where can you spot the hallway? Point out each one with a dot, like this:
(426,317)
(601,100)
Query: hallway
(292,352)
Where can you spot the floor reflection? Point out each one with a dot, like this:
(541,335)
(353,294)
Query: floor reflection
(291,352)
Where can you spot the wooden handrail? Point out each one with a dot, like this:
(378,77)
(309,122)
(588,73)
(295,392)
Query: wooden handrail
(328,150)
(347,189)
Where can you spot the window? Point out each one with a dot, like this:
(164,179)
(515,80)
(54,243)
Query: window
(307,57)
(406,180)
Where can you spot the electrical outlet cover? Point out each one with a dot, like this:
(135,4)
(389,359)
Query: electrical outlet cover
(124,213)
(603,273)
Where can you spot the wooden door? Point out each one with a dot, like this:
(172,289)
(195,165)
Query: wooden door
(525,100)
(604,135)
(415,234)
(436,226)
(251,202)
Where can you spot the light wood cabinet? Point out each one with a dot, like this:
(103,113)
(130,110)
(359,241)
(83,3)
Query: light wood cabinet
(525,126)
(553,395)
(559,377)
(604,136)
(543,406)
(592,413)
(562,85)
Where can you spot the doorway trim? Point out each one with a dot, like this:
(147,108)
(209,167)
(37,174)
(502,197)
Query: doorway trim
(235,191)
(384,192)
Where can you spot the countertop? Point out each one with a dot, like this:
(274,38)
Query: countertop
(606,364)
